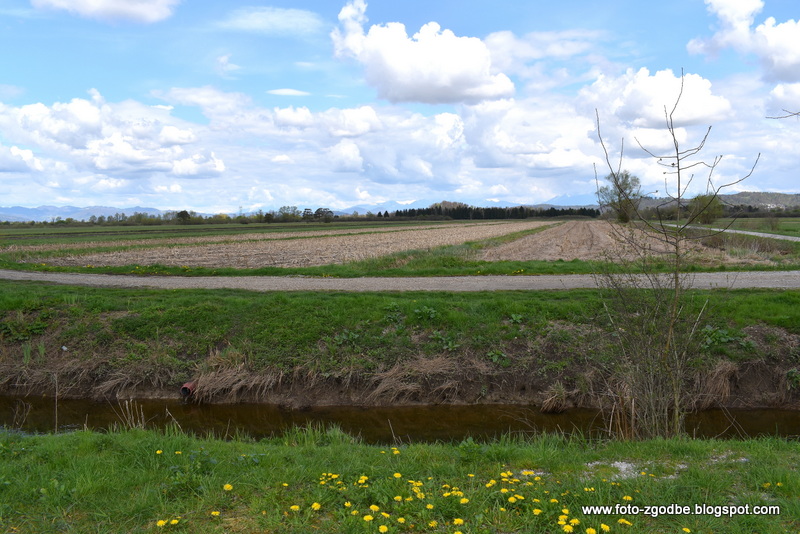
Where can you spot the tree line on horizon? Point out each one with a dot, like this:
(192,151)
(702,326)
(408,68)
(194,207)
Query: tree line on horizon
(439,211)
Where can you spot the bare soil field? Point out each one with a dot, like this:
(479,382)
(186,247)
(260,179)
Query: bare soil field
(296,249)
(571,240)
(598,240)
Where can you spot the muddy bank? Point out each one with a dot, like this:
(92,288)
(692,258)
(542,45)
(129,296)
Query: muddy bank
(440,380)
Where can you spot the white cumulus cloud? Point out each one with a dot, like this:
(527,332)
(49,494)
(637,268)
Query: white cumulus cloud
(346,156)
(639,98)
(128,138)
(15,159)
(433,66)
(775,44)
(146,11)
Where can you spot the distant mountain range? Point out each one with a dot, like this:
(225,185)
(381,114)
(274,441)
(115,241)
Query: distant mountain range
(51,213)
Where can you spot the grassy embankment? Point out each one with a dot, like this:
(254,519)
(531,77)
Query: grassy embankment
(325,481)
(393,346)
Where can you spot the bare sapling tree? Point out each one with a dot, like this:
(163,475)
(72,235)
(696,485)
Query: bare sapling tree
(653,321)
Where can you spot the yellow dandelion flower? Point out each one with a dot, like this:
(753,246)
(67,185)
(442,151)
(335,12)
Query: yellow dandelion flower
(567,528)
(384,514)
(227,487)
(348,504)
(627,498)
(512,500)
(316,506)
(397,475)
(354,512)
(574,521)
(398,498)
(294,508)
(536,511)
(604,527)
(590,530)
(368,518)
(161,523)
(623,521)
(564,510)
(174,522)
(374,507)
(429,506)
(178,452)
(383,528)
(464,500)
(686,529)
(433,524)
(554,500)
(458,521)
(215,513)
(401,520)
(159,451)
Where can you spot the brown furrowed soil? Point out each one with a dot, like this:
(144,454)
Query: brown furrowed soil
(600,240)
(297,249)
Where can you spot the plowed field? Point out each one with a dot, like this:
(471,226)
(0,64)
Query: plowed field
(296,249)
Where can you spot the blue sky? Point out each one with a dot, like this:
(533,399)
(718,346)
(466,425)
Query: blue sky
(222,106)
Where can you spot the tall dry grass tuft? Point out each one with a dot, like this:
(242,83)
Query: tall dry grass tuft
(233,383)
(556,398)
(713,387)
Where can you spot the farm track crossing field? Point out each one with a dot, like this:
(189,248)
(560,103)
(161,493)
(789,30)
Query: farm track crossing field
(289,249)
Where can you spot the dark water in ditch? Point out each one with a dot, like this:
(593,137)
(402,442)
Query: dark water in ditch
(374,425)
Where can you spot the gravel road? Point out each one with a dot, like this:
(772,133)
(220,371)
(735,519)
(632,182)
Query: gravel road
(776,280)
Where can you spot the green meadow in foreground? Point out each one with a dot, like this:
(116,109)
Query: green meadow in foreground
(317,480)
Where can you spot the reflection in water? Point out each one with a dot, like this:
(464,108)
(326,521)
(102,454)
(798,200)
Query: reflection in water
(373,424)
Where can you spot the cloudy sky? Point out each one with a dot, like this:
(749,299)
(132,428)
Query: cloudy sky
(222,106)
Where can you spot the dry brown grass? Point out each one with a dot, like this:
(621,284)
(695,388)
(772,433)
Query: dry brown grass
(714,387)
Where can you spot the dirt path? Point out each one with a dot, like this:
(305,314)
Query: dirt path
(773,279)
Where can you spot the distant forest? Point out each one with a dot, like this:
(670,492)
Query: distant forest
(745,205)
(458,211)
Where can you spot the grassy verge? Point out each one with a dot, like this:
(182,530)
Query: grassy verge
(107,340)
(317,480)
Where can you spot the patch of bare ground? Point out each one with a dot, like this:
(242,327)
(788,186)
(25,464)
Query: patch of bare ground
(601,240)
(309,251)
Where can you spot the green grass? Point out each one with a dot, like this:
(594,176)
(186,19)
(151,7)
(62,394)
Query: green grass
(163,337)
(788,226)
(322,480)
